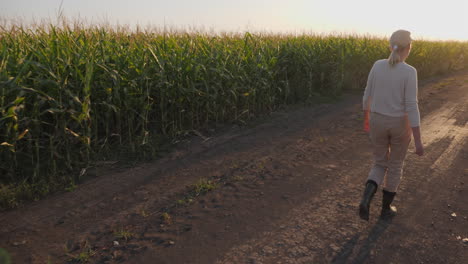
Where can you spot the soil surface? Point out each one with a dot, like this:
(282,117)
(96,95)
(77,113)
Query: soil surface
(285,190)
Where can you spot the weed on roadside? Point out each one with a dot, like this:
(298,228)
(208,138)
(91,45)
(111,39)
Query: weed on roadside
(143,212)
(199,188)
(184,202)
(85,254)
(202,186)
(166,218)
(123,234)
(238,178)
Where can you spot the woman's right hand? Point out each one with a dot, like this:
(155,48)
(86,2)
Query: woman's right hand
(419,148)
(417,141)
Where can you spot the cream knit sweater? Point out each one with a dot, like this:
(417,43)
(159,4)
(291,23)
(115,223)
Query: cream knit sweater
(393,91)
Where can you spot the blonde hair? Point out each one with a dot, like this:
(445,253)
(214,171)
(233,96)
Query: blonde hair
(394,57)
(400,40)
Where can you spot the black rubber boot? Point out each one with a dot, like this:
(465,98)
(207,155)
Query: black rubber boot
(371,188)
(388,211)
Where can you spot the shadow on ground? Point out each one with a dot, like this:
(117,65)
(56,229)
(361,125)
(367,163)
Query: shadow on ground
(345,255)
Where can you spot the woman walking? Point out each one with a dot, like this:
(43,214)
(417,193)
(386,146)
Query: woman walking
(390,102)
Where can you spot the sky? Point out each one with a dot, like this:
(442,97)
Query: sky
(426,19)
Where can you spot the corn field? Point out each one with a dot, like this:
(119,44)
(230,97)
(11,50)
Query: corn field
(70,96)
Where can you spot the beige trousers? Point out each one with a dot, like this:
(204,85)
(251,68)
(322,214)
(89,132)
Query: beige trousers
(390,137)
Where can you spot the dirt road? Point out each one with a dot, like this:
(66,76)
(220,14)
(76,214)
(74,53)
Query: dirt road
(285,190)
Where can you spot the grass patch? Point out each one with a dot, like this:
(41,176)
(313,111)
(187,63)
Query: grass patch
(166,218)
(238,178)
(84,256)
(185,201)
(201,187)
(123,234)
(12,195)
(143,212)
